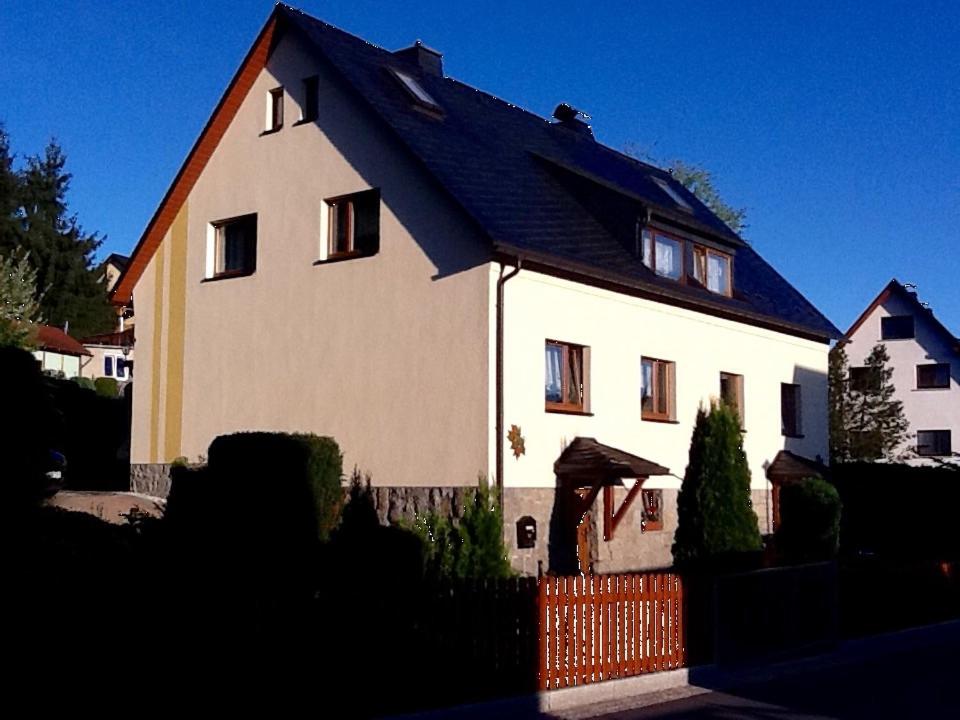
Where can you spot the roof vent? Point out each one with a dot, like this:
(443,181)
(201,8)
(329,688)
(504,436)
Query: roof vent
(427,59)
(569,117)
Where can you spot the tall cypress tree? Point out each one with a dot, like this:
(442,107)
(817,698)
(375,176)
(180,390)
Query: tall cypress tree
(36,220)
(714,513)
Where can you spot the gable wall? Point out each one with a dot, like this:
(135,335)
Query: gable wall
(388,354)
(926,409)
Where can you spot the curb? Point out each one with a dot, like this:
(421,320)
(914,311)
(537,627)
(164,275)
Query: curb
(644,690)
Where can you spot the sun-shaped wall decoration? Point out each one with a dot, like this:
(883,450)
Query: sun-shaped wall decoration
(516,441)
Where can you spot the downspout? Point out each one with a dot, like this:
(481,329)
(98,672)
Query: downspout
(501,281)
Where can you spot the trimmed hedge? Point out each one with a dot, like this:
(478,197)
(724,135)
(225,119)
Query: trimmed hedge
(106,387)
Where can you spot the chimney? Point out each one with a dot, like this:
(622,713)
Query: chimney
(569,117)
(428,60)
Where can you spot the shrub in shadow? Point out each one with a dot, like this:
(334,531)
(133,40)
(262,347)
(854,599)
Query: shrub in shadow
(809,521)
(106,387)
(28,427)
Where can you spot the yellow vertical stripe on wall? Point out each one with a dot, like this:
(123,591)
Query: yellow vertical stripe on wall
(176,330)
(155,356)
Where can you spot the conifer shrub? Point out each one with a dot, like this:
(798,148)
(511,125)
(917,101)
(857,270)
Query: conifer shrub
(716,522)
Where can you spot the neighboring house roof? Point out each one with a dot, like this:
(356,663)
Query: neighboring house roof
(539,190)
(54,339)
(117,260)
(114,339)
(585,457)
(896,288)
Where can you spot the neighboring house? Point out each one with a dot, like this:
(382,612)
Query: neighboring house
(111,355)
(925,358)
(57,352)
(361,247)
(113,267)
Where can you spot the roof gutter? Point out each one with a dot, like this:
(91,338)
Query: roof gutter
(501,281)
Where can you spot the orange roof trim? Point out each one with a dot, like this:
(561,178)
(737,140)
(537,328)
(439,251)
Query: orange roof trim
(196,161)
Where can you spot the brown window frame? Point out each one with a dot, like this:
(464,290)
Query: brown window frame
(689,250)
(706,252)
(670,384)
(647,523)
(276,109)
(566,350)
(738,404)
(796,430)
(894,336)
(933,385)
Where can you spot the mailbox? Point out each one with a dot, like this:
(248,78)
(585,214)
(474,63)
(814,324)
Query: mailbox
(526,532)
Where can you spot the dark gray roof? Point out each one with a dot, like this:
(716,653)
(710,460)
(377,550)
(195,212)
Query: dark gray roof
(555,196)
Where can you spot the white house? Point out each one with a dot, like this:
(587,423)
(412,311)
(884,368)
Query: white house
(57,352)
(360,246)
(925,358)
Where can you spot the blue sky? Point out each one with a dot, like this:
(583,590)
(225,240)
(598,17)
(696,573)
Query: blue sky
(836,124)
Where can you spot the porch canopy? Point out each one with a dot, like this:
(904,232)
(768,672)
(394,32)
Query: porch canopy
(788,468)
(586,466)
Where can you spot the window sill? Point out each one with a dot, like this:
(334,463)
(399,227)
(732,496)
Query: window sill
(937,387)
(271,131)
(228,276)
(666,421)
(560,410)
(648,529)
(340,257)
(793,437)
(305,121)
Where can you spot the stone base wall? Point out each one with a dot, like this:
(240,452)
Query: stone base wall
(631,548)
(404,503)
(150,479)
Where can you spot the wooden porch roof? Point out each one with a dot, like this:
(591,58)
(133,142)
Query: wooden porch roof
(587,458)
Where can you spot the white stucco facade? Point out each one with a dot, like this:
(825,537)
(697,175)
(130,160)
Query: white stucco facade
(55,362)
(925,408)
(620,330)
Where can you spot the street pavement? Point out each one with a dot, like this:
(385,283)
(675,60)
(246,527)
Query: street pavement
(920,682)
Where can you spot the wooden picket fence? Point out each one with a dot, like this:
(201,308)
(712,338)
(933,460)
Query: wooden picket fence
(603,627)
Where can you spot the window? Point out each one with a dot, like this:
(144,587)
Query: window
(711,269)
(235,247)
(311,99)
(790,416)
(896,327)
(651,511)
(121,365)
(274,110)
(353,225)
(108,366)
(863,379)
(663,254)
(935,375)
(731,393)
(657,390)
(416,91)
(933,442)
(565,377)
(673,194)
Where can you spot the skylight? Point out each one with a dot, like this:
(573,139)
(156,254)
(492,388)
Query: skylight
(674,195)
(415,89)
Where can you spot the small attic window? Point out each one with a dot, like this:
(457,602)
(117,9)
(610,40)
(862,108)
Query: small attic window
(412,86)
(674,195)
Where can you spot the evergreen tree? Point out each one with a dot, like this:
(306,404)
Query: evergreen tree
(18,300)
(715,517)
(875,423)
(36,219)
(838,380)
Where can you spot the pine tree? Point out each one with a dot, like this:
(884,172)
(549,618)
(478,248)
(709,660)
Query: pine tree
(715,518)
(18,300)
(838,379)
(36,219)
(876,425)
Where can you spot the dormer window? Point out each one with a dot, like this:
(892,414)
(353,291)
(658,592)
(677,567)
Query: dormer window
(663,254)
(687,262)
(415,89)
(711,269)
(673,194)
